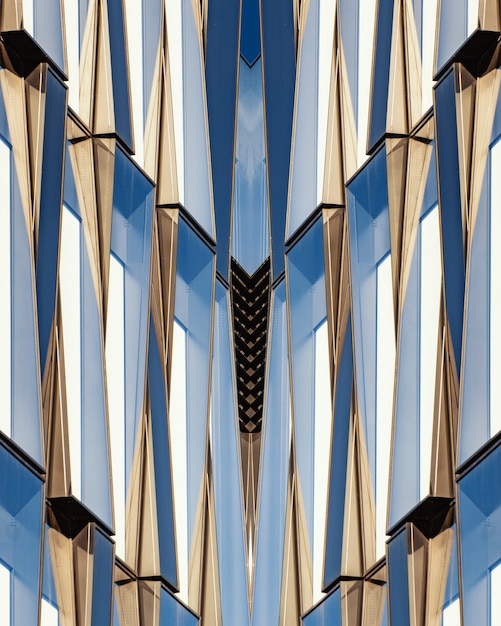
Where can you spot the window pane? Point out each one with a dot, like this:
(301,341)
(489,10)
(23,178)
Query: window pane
(5,289)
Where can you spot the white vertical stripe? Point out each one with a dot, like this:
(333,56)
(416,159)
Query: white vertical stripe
(177,425)
(367,9)
(28,16)
(323,419)
(385,368)
(5,290)
(176,58)
(427,50)
(71,22)
(115,375)
(431,283)
(495,292)
(70,291)
(451,615)
(472,16)
(134,21)
(5,595)
(50,615)
(495,580)
(325,44)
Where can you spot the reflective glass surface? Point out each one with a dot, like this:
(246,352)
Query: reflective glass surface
(480,541)
(21,497)
(274,472)
(173,612)
(399,579)
(227,485)
(327,612)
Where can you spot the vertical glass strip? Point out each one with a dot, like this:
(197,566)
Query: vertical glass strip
(70,293)
(323,419)
(5,595)
(71,23)
(427,52)
(451,615)
(366,14)
(177,422)
(325,43)
(495,292)
(28,20)
(472,10)
(431,283)
(115,370)
(495,592)
(5,291)
(385,367)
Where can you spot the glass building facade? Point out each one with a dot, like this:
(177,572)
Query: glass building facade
(249,279)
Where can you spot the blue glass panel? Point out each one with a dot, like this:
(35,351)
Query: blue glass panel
(381,71)
(250,36)
(274,472)
(308,310)
(279,59)
(480,537)
(221,55)
(48,29)
(327,612)
(197,189)
(450,208)
(162,460)
(50,207)
(173,612)
(226,472)
(370,243)
(119,71)
(349,12)
(21,535)
(250,202)
(102,581)
(303,187)
(131,243)
(398,579)
(339,461)
(452,30)
(193,306)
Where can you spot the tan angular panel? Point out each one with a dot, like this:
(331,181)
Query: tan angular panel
(210,600)
(489,14)
(397,112)
(104,167)
(167,253)
(126,599)
(439,555)
(333,189)
(61,553)
(290,604)
(196,561)
(149,602)
(83,565)
(465,111)
(375,592)
(348,124)
(88,64)
(487,94)
(11,15)
(414,65)
(419,162)
(13,92)
(351,602)
(367,499)
(152,125)
(103,118)
(335,261)
(417,565)
(397,154)
(305,558)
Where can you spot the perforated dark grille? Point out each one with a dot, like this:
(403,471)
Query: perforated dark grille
(250,302)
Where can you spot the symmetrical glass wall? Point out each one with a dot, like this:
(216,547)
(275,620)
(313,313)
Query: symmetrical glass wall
(249,311)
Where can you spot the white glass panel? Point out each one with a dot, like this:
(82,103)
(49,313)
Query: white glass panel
(495,292)
(175,44)
(134,22)
(5,595)
(50,614)
(177,426)
(323,418)
(70,292)
(472,15)
(427,51)
(326,34)
(495,580)
(431,283)
(71,23)
(28,16)
(451,615)
(367,10)
(385,368)
(5,291)
(115,366)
